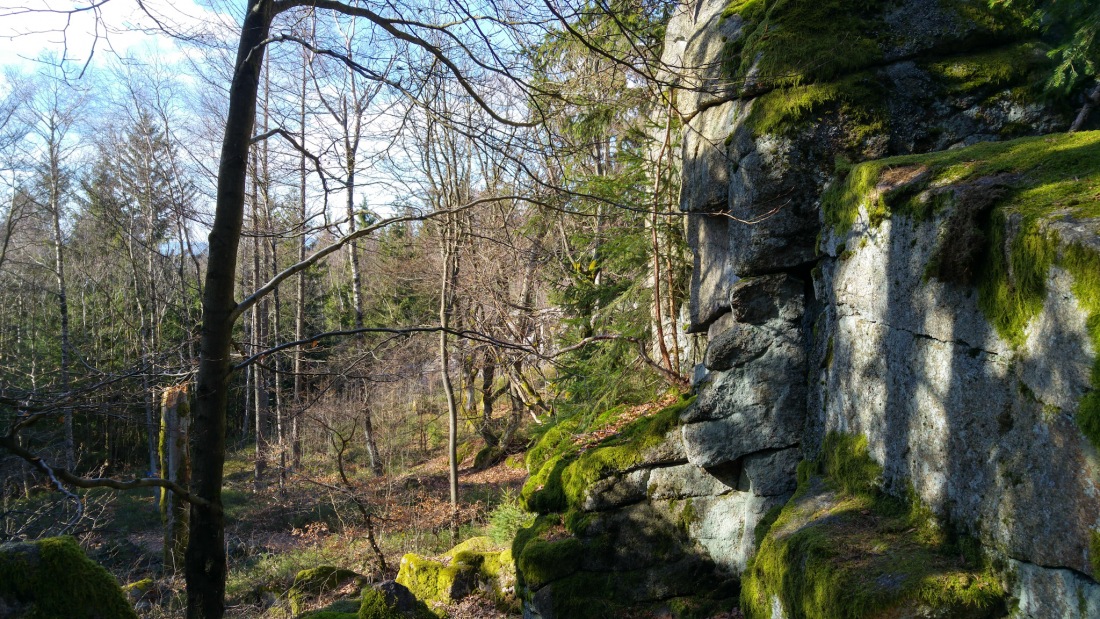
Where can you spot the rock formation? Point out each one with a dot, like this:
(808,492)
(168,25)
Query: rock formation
(882,255)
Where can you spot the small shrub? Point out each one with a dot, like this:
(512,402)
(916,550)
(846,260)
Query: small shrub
(507,518)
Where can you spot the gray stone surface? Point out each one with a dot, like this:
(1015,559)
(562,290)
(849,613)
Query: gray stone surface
(771,473)
(1045,593)
(983,433)
(694,39)
(760,300)
(616,491)
(738,345)
(683,481)
(725,526)
(1058,334)
(707,180)
(755,397)
(668,451)
(711,277)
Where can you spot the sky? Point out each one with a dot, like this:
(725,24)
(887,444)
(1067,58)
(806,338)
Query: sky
(32,28)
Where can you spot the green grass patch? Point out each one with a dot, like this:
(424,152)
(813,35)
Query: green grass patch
(841,548)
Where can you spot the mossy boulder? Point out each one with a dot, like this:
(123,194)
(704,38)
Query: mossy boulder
(842,548)
(375,605)
(563,474)
(487,457)
(53,578)
(475,565)
(317,581)
(340,609)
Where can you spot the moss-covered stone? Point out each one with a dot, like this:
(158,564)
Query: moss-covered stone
(432,581)
(476,563)
(487,457)
(474,544)
(793,42)
(53,578)
(375,606)
(340,609)
(316,581)
(564,474)
(1028,182)
(842,548)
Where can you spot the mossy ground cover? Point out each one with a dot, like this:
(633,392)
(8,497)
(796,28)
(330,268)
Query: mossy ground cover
(1037,179)
(841,548)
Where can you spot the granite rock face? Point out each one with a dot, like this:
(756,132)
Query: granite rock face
(752,399)
(982,430)
(818,324)
(829,306)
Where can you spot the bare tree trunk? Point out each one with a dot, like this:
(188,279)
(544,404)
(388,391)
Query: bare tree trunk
(259,333)
(450,273)
(659,320)
(372,445)
(62,296)
(488,376)
(300,308)
(205,567)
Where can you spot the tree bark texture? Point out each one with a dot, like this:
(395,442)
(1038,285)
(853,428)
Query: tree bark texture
(205,564)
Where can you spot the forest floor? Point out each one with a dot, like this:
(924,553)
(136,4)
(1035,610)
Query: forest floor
(272,533)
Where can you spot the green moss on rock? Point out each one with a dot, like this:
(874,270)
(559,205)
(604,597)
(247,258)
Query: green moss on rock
(53,578)
(793,42)
(564,476)
(1036,180)
(487,457)
(374,606)
(841,548)
(1084,266)
(340,609)
(790,42)
(859,99)
(476,563)
(317,581)
(474,544)
(1025,64)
